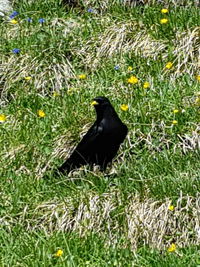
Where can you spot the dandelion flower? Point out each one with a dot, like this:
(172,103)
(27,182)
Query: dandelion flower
(132,80)
(70,91)
(55,94)
(130,68)
(172,248)
(124,107)
(13,21)
(82,76)
(175,111)
(164,10)
(16,50)
(198,78)
(146,85)
(27,78)
(59,253)
(41,113)
(163,21)
(174,122)
(197,100)
(169,65)
(2,118)
(171,207)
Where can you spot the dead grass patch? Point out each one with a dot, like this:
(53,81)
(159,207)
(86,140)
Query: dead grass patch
(146,222)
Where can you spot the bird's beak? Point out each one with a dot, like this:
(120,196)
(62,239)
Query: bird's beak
(94,103)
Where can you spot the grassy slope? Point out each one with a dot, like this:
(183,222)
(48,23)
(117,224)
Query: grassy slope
(104,218)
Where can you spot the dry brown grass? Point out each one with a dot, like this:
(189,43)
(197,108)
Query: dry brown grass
(187,52)
(148,222)
(121,38)
(50,77)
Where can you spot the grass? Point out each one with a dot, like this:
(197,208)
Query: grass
(121,217)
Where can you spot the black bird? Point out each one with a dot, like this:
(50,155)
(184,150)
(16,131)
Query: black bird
(101,143)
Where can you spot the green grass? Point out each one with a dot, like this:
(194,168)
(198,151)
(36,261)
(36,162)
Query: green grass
(121,217)
(26,251)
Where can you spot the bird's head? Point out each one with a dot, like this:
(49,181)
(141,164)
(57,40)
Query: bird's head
(100,102)
(102,106)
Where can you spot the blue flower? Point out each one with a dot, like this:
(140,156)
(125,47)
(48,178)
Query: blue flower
(29,19)
(14,14)
(16,50)
(41,21)
(117,67)
(90,10)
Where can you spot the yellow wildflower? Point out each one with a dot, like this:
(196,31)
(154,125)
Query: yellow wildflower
(132,80)
(27,78)
(198,78)
(55,94)
(174,122)
(13,21)
(164,10)
(82,76)
(41,113)
(175,111)
(2,118)
(146,85)
(172,248)
(169,65)
(171,207)
(197,100)
(124,107)
(70,91)
(130,68)
(163,21)
(59,253)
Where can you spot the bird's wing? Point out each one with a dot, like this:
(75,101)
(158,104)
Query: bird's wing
(90,138)
(85,148)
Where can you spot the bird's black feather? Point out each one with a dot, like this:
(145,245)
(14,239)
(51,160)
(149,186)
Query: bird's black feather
(101,143)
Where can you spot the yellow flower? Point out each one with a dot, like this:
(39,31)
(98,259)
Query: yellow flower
(41,113)
(146,85)
(172,248)
(198,78)
(70,91)
(59,253)
(124,107)
(2,118)
(13,21)
(55,94)
(163,21)
(27,78)
(175,111)
(171,207)
(174,122)
(130,68)
(169,65)
(82,76)
(132,80)
(197,100)
(164,10)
